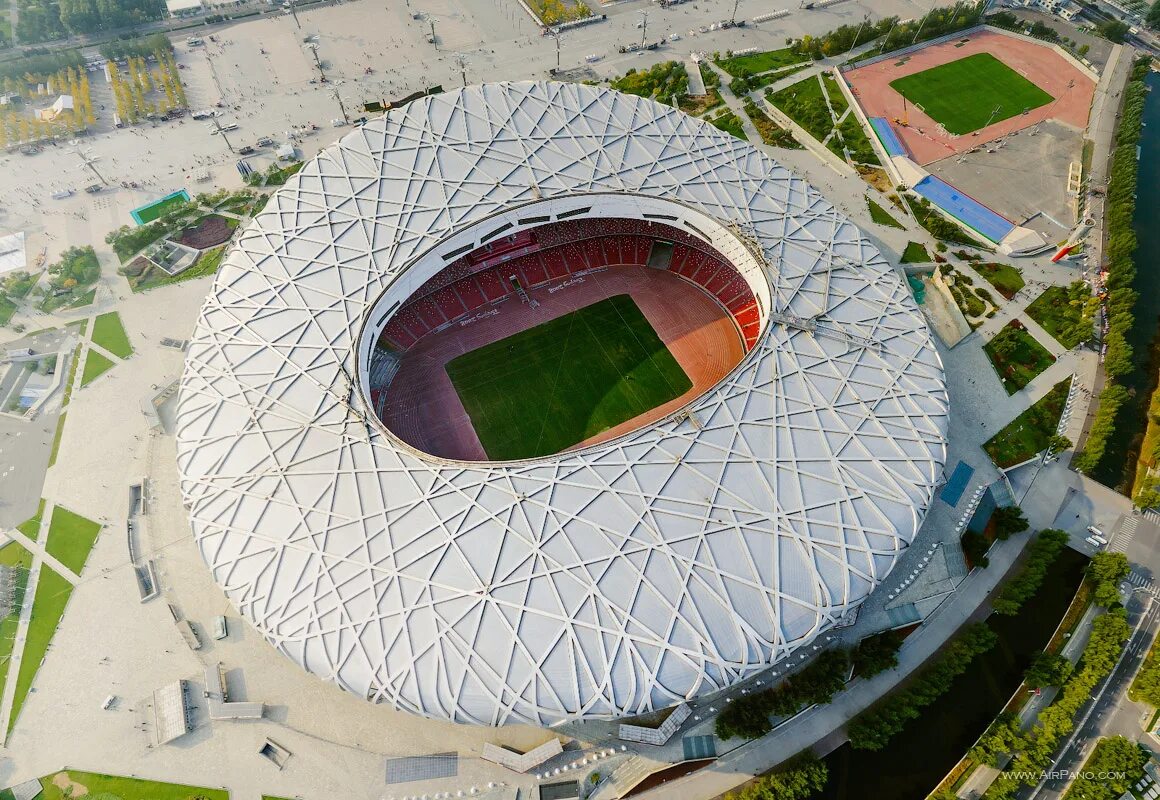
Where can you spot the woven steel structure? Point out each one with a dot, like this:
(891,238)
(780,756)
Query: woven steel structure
(601,582)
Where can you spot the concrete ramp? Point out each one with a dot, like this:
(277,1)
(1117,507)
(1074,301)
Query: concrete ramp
(696,82)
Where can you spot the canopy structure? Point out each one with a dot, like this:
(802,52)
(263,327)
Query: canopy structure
(606,581)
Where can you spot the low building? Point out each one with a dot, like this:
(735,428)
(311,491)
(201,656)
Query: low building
(61,105)
(184,8)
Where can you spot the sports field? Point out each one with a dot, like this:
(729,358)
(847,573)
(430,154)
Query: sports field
(547,388)
(962,94)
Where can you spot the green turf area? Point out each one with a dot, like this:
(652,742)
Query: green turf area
(56,437)
(963,94)
(12,555)
(915,253)
(31,527)
(1006,279)
(96,365)
(1028,433)
(1060,311)
(881,216)
(115,787)
(109,333)
(760,62)
(71,537)
(52,594)
(1017,357)
(7,309)
(82,300)
(160,209)
(547,388)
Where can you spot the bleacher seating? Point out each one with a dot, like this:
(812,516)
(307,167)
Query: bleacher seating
(568,248)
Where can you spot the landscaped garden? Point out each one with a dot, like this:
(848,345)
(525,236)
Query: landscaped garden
(70,278)
(771,133)
(1006,279)
(1031,432)
(663,82)
(76,784)
(755,63)
(730,123)
(1016,356)
(1065,312)
(804,104)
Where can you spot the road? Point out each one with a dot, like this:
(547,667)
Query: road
(1110,712)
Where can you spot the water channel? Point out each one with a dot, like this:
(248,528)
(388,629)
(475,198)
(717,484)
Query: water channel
(919,757)
(1118,466)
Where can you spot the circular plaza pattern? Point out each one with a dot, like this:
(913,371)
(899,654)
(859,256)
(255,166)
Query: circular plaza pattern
(611,579)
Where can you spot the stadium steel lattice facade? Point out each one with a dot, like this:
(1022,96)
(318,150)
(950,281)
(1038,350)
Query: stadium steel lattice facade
(599,582)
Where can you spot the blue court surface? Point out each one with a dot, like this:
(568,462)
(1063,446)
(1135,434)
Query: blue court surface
(964,208)
(957,484)
(888,137)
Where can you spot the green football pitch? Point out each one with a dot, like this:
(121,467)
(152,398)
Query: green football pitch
(963,94)
(543,390)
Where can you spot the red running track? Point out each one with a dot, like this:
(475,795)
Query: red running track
(422,408)
(1051,72)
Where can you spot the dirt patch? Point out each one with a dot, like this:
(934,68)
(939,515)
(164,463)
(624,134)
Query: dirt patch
(209,231)
(876,178)
(68,786)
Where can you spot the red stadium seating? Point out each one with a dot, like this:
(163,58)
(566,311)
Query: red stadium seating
(566,248)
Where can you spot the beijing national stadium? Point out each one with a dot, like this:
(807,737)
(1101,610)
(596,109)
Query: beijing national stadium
(535,402)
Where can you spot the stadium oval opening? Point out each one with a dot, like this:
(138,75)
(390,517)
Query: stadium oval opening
(559,325)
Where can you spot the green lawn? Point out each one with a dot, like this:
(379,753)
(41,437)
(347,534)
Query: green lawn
(56,437)
(963,94)
(1028,433)
(1006,279)
(914,253)
(109,333)
(549,387)
(96,365)
(1060,312)
(108,787)
(1017,357)
(12,555)
(31,527)
(71,537)
(52,594)
(881,216)
(7,309)
(158,210)
(754,63)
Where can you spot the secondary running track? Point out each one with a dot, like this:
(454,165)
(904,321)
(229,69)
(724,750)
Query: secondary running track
(1051,72)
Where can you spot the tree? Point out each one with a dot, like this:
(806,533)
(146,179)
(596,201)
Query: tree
(802,778)
(1106,570)
(1047,669)
(1115,30)
(1147,497)
(877,653)
(1008,520)
(1058,443)
(1153,18)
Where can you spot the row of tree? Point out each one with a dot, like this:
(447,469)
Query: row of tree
(1041,555)
(896,34)
(750,715)
(1119,263)
(1033,749)
(45,20)
(800,779)
(873,729)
